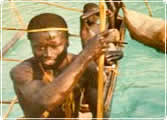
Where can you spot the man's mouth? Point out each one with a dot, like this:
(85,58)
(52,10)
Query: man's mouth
(48,62)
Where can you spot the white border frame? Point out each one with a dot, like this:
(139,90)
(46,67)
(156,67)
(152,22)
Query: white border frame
(165,111)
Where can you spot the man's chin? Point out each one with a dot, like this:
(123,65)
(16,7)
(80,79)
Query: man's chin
(48,64)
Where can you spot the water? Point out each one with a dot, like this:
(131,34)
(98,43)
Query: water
(139,91)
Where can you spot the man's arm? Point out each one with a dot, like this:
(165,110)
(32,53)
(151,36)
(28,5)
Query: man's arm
(84,31)
(54,93)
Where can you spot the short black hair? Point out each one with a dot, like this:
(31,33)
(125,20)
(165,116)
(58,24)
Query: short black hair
(46,20)
(89,7)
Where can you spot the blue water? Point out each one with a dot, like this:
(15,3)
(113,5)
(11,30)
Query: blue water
(139,92)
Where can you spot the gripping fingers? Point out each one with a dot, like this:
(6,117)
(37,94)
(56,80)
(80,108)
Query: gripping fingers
(113,58)
(114,55)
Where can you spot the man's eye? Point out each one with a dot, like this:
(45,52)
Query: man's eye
(41,48)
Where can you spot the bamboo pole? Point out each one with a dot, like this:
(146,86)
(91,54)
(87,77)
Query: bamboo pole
(36,30)
(11,43)
(11,60)
(148,7)
(100,96)
(15,11)
(7,102)
(111,88)
(59,6)
(10,108)
(18,35)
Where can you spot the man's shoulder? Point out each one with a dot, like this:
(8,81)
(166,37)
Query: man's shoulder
(26,64)
(20,70)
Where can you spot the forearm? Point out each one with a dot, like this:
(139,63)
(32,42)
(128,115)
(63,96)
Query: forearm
(122,31)
(111,19)
(84,31)
(110,5)
(54,93)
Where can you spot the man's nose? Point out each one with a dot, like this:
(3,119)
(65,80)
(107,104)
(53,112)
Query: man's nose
(49,52)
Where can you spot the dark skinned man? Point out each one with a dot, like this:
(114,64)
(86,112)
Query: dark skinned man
(89,23)
(90,26)
(68,73)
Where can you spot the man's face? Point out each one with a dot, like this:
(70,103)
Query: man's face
(94,18)
(49,47)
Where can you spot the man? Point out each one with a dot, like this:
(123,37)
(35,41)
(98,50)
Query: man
(90,26)
(45,82)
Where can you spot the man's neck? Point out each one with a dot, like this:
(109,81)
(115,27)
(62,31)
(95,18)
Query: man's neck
(64,63)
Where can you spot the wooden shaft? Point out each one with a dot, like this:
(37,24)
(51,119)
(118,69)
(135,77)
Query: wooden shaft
(17,14)
(11,60)
(18,35)
(59,6)
(11,43)
(36,30)
(148,7)
(111,88)
(100,96)
(10,108)
(8,102)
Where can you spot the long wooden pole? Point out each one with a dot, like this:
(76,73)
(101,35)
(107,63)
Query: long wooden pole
(16,13)
(18,35)
(56,5)
(11,60)
(7,102)
(10,108)
(110,93)
(148,7)
(9,45)
(100,96)
(36,30)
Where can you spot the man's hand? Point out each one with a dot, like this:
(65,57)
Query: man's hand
(112,56)
(99,44)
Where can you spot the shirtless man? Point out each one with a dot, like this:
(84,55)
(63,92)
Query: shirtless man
(89,23)
(90,26)
(43,82)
